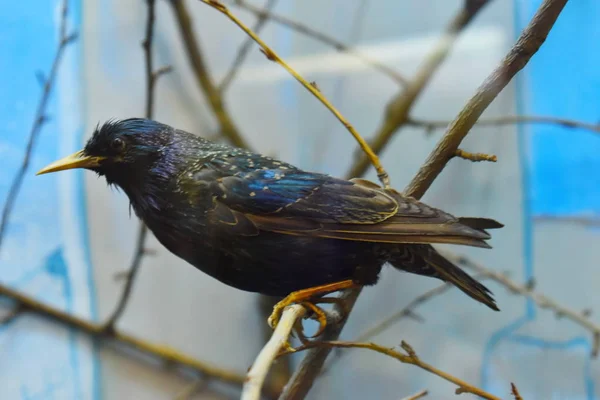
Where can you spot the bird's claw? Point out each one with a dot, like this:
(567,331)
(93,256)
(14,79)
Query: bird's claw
(276,314)
(321,317)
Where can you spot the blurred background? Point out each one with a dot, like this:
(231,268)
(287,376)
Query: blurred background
(69,239)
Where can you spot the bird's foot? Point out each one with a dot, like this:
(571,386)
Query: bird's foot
(305,297)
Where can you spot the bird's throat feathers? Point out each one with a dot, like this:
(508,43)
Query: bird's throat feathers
(147,183)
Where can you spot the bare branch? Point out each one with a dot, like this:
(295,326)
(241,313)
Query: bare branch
(169,356)
(509,120)
(404,312)
(410,357)
(542,301)
(242,53)
(203,78)
(407,311)
(416,396)
(273,56)
(321,37)
(39,119)
(529,42)
(515,392)
(475,157)
(310,367)
(400,106)
(259,370)
(152,77)
(130,277)
(282,370)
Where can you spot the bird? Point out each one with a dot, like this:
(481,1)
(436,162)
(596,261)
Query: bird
(262,225)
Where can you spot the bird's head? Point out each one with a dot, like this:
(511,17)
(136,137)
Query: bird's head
(125,152)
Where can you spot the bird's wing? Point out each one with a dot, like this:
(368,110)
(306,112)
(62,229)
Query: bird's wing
(296,202)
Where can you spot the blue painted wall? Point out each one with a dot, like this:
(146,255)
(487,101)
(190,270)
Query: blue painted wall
(45,252)
(560,167)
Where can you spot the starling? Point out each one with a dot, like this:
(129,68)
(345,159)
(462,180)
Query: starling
(262,225)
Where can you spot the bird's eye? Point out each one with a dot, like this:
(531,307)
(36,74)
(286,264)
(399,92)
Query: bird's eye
(117,144)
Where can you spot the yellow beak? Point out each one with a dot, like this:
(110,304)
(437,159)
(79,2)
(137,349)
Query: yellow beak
(75,160)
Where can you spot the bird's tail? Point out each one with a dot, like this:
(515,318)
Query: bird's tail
(425,260)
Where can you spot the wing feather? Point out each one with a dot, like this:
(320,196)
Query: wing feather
(295,202)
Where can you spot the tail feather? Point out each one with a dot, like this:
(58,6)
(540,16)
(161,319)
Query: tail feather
(480,224)
(425,260)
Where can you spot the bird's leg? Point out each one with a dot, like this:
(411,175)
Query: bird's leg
(304,296)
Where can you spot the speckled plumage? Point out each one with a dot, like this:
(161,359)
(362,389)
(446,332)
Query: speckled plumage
(262,225)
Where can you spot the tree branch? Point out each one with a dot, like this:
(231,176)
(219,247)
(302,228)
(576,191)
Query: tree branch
(39,119)
(259,370)
(509,120)
(542,301)
(203,79)
(151,79)
(310,367)
(410,357)
(529,42)
(167,355)
(281,371)
(388,322)
(242,53)
(408,310)
(475,157)
(321,37)
(416,396)
(399,107)
(515,392)
(311,87)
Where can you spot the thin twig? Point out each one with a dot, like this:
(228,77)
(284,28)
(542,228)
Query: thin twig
(259,370)
(542,301)
(130,277)
(272,56)
(167,355)
(475,157)
(410,357)
(242,53)
(529,42)
(152,77)
(416,396)
(203,78)
(515,392)
(321,37)
(509,120)
(408,310)
(398,109)
(40,118)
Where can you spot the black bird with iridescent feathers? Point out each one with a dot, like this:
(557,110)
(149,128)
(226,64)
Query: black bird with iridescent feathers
(262,225)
